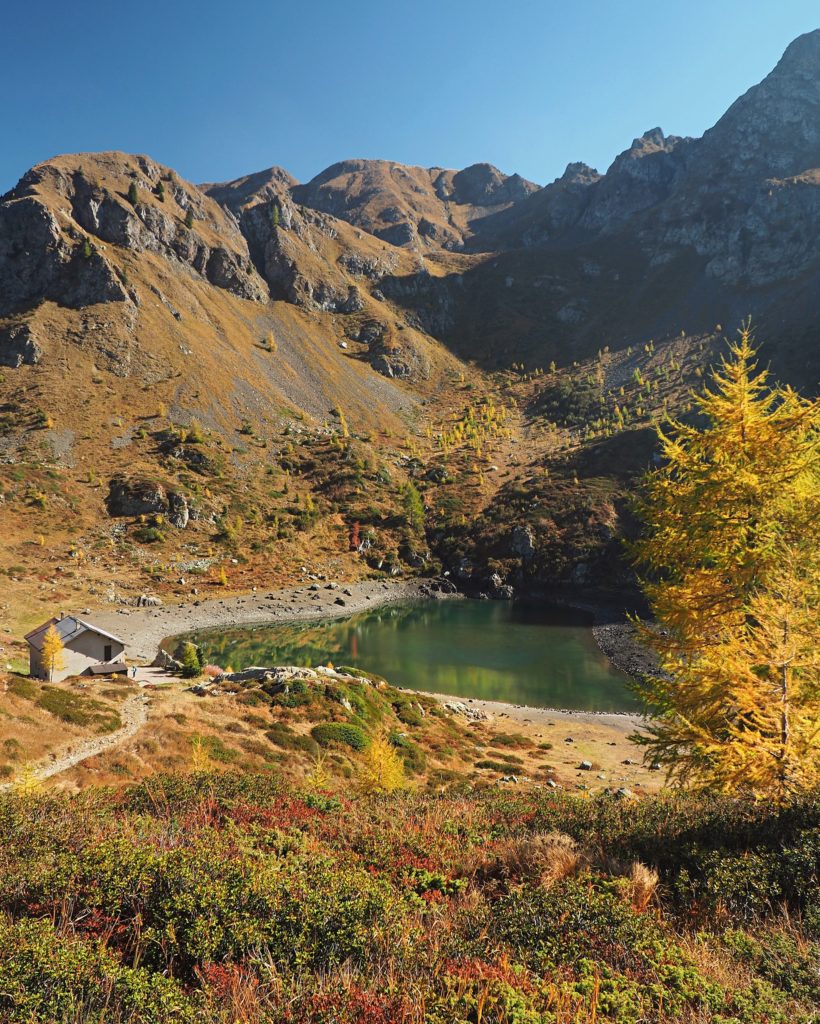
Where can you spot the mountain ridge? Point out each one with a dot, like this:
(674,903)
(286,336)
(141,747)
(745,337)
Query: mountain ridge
(382,326)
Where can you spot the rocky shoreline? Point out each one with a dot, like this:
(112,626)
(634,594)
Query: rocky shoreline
(143,629)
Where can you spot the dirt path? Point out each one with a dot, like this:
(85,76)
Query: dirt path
(133,713)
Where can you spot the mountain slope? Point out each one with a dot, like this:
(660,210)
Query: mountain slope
(238,373)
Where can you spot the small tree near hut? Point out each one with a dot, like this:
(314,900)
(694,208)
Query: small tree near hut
(52,653)
(191,665)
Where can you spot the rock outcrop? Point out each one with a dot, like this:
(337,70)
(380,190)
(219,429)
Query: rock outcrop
(18,346)
(61,226)
(138,496)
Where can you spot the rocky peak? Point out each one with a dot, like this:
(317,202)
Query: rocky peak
(485,185)
(800,58)
(62,229)
(773,130)
(654,148)
(578,173)
(412,207)
(270,184)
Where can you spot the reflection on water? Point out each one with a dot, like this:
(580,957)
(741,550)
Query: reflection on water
(521,652)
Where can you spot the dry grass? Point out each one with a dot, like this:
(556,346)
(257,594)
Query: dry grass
(542,859)
(643,882)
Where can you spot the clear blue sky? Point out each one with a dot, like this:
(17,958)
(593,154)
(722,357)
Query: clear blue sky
(219,90)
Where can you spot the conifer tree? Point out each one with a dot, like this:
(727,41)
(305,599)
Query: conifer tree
(200,758)
(28,783)
(413,507)
(318,778)
(381,769)
(189,218)
(52,653)
(732,565)
(191,666)
(132,193)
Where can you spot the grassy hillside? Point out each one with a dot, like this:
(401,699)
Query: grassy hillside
(554,449)
(230,898)
(321,716)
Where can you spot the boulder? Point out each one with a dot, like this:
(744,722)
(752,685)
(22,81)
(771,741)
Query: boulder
(178,513)
(18,346)
(136,496)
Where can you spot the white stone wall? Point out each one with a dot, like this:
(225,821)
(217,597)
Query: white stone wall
(78,654)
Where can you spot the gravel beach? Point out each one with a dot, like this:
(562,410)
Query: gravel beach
(144,629)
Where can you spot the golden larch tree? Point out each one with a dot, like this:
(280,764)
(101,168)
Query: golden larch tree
(52,652)
(381,769)
(731,563)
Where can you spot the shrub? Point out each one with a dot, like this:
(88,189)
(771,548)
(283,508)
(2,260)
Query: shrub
(51,977)
(407,711)
(283,735)
(504,767)
(191,665)
(149,535)
(78,710)
(339,732)
(415,760)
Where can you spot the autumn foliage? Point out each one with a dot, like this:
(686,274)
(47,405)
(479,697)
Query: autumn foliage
(52,653)
(732,569)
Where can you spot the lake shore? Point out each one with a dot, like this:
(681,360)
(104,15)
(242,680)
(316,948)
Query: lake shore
(600,738)
(144,629)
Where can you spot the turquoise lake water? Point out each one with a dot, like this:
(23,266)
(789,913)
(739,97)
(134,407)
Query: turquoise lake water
(516,651)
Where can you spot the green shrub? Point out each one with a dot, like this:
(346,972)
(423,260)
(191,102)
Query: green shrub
(283,735)
(78,710)
(511,739)
(783,958)
(217,750)
(46,976)
(25,688)
(407,712)
(497,766)
(339,732)
(298,694)
(190,659)
(415,760)
(149,535)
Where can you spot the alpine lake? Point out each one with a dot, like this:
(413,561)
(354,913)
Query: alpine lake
(518,652)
